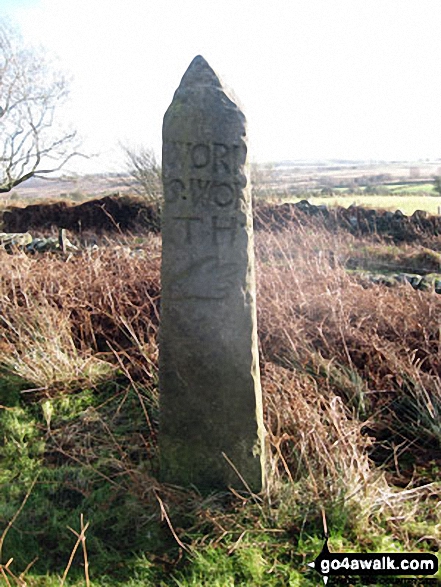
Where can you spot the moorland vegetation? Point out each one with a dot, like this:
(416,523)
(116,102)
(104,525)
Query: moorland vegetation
(351,377)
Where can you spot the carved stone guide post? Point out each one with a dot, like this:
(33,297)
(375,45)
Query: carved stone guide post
(211,424)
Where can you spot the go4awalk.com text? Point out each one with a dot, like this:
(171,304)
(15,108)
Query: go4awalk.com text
(370,564)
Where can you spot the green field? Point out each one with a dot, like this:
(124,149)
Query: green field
(407,204)
(418,188)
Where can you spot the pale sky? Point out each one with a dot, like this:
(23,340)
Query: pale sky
(317,78)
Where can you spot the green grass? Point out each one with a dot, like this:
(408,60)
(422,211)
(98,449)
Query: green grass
(405,189)
(84,460)
(407,204)
(427,188)
(393,258)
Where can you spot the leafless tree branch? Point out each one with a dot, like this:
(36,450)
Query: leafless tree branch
(144,172)
(31,92)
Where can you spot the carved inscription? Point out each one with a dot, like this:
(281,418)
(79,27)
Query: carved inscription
(210,398)
(189,220)
(197,280)
(199,190)
(223,225)
(223,194)
(216,157)
(174,190)
(203,191)
(212,172)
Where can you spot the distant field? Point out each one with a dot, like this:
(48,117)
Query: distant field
(417,188)
(407,204)
(405,189)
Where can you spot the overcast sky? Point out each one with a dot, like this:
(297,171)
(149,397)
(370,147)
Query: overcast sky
(318,78)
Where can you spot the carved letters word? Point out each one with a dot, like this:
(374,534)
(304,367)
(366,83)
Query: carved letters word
(204,190)
(220,158)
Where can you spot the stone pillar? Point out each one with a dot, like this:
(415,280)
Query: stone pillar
(211,424)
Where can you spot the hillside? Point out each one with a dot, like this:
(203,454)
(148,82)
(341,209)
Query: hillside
(352,397)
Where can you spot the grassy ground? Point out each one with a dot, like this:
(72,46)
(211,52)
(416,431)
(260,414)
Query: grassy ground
(426,188)
(352,392)
(406,203)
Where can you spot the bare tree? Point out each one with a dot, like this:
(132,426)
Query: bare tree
(31,91)
(144,172)
(262,176)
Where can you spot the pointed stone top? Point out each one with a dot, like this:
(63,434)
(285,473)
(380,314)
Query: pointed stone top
(202,105)
(201,74)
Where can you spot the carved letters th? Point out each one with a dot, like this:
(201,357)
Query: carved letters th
(223,225)
(188,222)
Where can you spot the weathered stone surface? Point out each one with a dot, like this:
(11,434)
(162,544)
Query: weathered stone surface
(210,402)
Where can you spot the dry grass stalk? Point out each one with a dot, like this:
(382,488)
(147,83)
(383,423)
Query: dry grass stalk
(314,316)
(15,516)
(81,539)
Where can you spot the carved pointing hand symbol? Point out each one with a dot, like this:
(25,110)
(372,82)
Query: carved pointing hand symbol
(206,279)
